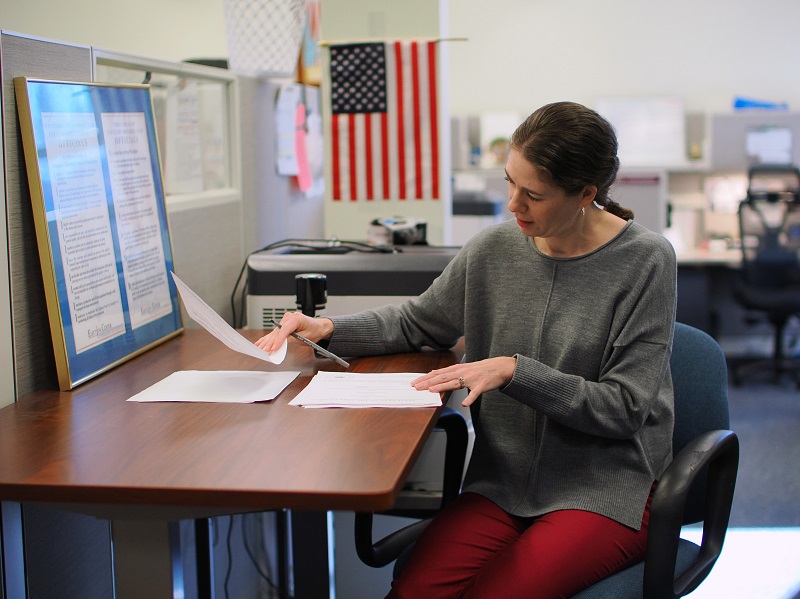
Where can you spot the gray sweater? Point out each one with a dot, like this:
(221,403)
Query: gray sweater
(586,420)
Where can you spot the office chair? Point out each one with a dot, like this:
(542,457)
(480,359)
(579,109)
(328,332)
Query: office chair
(769,279)
(697,485)
(387,550)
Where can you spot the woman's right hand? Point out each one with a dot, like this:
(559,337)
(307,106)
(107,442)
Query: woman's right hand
(315,329)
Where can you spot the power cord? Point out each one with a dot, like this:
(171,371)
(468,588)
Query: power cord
(274,590)
(320,246)
(266,576)
(229,550)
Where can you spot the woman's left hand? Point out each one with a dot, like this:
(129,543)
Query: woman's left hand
(478,377)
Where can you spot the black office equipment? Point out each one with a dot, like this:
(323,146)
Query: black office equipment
(769,279)
(358,277)
(696,487)
(311,290)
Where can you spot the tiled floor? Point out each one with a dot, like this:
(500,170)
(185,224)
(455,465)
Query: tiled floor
(756,563)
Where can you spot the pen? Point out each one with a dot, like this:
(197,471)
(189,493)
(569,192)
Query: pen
(321,350)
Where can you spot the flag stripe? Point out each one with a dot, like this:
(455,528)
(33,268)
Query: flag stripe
(351,136)
(417,125)
(401,138)
(391,123)
(359,134)
(337,181)
(424,126)
(368,148)
(385,156)
(344,156)
(408,121)
(433,114)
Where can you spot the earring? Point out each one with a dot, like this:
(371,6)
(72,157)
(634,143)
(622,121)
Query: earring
(583,211)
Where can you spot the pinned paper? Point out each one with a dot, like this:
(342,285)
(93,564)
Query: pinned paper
(303,168)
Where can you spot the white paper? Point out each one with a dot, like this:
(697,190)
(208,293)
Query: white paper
(84,228)
(285,139)
(203,315)
(217,386)
(183,167)
(136,210)
(364,390)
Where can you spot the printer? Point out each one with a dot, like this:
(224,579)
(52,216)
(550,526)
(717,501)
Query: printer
(358,276)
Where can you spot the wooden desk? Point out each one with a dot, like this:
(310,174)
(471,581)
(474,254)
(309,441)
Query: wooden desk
(145,465)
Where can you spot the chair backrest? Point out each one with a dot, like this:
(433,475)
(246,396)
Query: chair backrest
(769,227)
(700,381)
(770,234)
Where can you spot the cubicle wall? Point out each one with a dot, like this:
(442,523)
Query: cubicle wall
(64,553)
(212,230)
(34,365)
(276,208)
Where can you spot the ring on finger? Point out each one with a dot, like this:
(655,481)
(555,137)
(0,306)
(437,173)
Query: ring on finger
(461,383)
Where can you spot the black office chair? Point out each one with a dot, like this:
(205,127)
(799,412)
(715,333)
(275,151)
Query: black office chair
(769,279)
(697,486)
(387,550)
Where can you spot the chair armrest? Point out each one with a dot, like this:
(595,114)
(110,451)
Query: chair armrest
(718,453)
(386,550)
(457,439)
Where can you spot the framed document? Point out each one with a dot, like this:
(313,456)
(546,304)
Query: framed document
(101,222)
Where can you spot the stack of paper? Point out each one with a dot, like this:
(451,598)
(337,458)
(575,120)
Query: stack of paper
(364,390)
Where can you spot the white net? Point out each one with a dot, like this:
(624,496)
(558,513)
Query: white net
(264,36)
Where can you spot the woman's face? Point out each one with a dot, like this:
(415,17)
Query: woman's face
(541,208)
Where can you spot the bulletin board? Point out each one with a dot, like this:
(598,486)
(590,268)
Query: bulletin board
(101,224)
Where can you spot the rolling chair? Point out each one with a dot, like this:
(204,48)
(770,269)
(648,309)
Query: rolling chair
(377,555)
(769,279)
(697,486)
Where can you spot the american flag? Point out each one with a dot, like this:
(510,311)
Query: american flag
(384,121)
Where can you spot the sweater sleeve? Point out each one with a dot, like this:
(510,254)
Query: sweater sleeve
(434,319)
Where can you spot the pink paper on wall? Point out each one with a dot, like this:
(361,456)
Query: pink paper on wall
(303,168)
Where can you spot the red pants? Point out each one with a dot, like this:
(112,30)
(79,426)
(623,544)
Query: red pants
(474,549)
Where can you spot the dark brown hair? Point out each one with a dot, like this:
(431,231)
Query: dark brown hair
(575,147)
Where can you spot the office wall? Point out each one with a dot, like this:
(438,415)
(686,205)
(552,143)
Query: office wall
(520,53)
(164,29)
(524,53)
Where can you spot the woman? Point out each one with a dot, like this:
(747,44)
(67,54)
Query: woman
(567,313)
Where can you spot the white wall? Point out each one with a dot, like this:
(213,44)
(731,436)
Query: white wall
(165,29)
(520,53)
(524,53)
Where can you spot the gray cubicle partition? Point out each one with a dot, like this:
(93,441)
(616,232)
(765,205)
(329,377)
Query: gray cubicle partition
(34,365)
(52,553)
(729,136)
(65,555)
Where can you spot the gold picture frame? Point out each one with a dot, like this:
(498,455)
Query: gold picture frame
(97,195)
